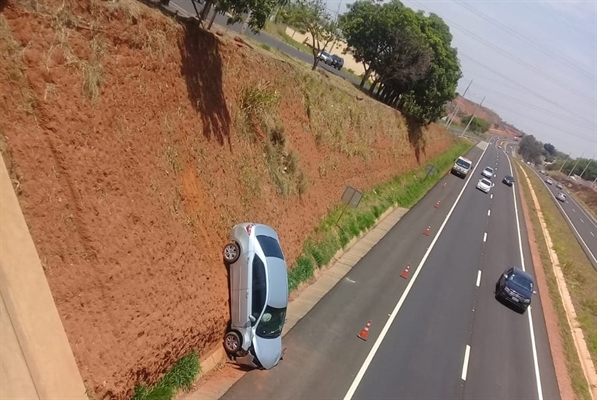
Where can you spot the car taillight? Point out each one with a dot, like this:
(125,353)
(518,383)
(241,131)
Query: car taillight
(249,227)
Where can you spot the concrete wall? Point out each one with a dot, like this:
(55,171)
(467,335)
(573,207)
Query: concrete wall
(36,361)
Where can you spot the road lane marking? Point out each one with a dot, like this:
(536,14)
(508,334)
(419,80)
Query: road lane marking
(488,213)
(592,234)
(573,210)
(485,237)
(530,317)
(357,380)
(467,354)
(581,220)
(491,196)
(478,278)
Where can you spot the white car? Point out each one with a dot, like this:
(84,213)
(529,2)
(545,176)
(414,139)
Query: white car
(549,181)
(561,196)
(484,185)
(488,172)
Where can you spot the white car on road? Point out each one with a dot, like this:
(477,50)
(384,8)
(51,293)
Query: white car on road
(488,172)
(484,185)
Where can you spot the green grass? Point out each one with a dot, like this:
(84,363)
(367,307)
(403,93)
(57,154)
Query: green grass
(580,278)
(404,191)
(181,376)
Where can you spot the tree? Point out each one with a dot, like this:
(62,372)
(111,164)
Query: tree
(312,16)
(253,12)
(530,149)
(478,125)
(426,100)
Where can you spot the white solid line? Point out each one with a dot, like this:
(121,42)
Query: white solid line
(531,328)
(485,237)
(478,278)
(467,354)
(488,213)
(357,380)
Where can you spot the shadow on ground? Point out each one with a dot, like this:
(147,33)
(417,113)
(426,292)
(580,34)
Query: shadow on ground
(202,70)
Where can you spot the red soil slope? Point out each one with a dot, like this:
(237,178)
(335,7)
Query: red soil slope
(119,127)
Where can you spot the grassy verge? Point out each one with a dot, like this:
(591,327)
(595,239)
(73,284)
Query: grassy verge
(180,377)
(404,191)
(578,272)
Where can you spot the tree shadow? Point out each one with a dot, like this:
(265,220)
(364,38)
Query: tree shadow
(415,136)
(202,70)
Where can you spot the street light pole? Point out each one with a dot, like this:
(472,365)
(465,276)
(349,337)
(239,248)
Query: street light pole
(573,168)
(475,113)
(453,115)
(584,170)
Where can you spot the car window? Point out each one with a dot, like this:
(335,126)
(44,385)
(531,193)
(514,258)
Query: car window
(258,287)
(522,281)
(463,163)
(486,182)
(270,246)
(271,323)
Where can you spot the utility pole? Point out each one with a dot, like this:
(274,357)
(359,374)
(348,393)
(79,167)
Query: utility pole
(336,33)
(573,168)
(451,118)
(593,184)
(584,170)
(565,161)
(475,113)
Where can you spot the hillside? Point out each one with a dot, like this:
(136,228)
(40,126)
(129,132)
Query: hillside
(135,142)
(467,107)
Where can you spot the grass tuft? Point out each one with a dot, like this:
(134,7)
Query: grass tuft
(180,377)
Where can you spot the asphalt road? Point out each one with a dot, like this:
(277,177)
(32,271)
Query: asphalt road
(431,317)
(262,37)
(583,225)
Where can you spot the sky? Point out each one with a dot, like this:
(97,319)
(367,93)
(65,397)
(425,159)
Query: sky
(535,62)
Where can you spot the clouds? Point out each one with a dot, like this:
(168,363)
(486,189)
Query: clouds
(534,61)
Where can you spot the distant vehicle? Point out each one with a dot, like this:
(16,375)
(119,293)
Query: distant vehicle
(461,167)
(542,172)
(516,287)
(324,56)
(549,181)
(559,186)
(487,172)
(561,196)
(508,180)
(258,295)
(336,62)
(484,185)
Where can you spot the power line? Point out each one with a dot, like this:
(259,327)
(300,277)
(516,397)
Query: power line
(516,59)
(541,122)
(526,39)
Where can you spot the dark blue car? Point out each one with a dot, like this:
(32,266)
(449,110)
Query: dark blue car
(516,287)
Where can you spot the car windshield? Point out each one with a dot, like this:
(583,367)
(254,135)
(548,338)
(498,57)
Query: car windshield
(271,323)
(463,163)
(488,169)
(510,178)
(522,281)
(485,182)
(270,246)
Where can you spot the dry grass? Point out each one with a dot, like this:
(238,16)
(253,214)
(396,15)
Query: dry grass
(580,277)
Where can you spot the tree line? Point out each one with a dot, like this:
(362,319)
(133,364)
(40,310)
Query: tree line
(536,152)
(408,56)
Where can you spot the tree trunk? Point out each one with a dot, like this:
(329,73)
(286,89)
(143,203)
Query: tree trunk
(211,21)
(372,88)
(205,11)
(365,76)
(246,23)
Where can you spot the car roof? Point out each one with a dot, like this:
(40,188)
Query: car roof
(519,271)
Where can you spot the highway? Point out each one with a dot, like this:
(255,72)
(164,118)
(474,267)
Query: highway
(186,6)
(438,334)
(581,223)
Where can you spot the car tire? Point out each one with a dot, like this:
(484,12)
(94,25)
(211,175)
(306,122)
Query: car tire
(232,342)
(231,253)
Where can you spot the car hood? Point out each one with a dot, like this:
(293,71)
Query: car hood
(268,351)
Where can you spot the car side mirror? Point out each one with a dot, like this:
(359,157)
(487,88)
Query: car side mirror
(252,319)
(506,276)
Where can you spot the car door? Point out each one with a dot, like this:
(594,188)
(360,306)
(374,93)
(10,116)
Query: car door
(240,276)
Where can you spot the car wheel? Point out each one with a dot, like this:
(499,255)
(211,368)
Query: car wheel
(232,342)
(231,253)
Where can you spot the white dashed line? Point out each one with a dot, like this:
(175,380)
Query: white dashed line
(478,278)
(485,237)
(573,209)
(581,220)
(491,196)
(488,213)
(592,234)
(467,354)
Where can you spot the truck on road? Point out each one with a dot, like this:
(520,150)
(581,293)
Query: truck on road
(462,166)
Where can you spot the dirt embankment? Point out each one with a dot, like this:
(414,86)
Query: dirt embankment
(135,143)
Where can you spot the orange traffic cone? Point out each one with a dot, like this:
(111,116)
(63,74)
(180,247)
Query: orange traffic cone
(365,332)
(426,233)
(437,204)
(404,273)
